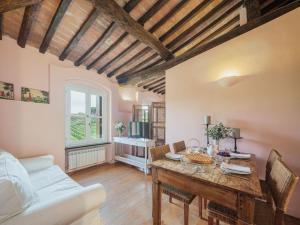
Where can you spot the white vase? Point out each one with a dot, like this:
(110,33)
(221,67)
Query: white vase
(210,150)
(216,146)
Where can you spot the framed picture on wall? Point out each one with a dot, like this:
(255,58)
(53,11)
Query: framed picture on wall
(6,90)
(34,95)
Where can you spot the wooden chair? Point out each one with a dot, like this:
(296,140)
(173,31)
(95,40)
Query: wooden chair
(159,153)
(178,147)
(273,156)
(282,182)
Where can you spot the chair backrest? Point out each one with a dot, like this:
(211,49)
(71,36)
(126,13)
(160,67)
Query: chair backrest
(179,146)
(159,152)
(282,182)
(273,156)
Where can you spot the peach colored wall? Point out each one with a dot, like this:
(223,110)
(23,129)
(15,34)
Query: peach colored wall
(265,103)
(29,129)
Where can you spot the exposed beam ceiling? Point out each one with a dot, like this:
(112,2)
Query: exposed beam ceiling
(153,83)
(111,9)
(159,89)
(172,12)
(132,60)
(8,5)
(185,19)
(82,30)
(136,77)
(212,22)
(105,35)
(158,86)
(59,14)
(29,17)
(154,9)
(118,57)
(216,12)
(139,65)
(111,48)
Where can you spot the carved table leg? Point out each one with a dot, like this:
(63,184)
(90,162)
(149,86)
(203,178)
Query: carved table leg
(246,207)
(156,198)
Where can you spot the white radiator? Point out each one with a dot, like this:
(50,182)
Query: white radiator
(83,158)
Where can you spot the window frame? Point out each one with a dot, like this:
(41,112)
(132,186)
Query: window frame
(89,91)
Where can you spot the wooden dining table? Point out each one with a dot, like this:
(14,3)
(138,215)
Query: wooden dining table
(234,191)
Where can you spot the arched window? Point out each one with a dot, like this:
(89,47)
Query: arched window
(86,118)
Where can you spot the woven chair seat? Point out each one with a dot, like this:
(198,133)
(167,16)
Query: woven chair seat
(177,194)
(222,213)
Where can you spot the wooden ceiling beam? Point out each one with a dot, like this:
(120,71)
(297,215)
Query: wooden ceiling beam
(111,9)
(156,26)
(29,17)
(159,89)
(154,9)
(215,12)
(169,15)
(157,86)
(185,19)
(1,24)
(274,4)
(8,5)
(105,35)
(112,47)
(59,14)
(154,86)
(82,30)
(210,26)
(252,9)
(153,71)
(220,30)
(153,82)
(130,61)
(138,66)
(118,57)
(131,4)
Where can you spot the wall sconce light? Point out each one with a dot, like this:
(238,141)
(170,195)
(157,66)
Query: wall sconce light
(229,78)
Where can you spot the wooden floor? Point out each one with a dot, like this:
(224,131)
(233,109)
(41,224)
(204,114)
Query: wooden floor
(129,193)
(129,197)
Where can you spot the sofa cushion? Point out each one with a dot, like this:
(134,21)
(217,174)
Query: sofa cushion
(52,183)
(16,191)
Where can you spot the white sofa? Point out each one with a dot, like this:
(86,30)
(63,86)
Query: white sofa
(56,199)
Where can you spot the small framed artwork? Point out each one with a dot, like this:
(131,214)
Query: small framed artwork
(6,90)
(34,95)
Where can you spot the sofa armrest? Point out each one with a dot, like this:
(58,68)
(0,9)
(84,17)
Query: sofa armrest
(64,210)
(37,163)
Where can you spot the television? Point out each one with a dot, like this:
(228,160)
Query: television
(139,130)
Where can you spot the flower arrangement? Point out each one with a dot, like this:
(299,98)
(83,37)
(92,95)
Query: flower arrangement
(120,127)
(219,131)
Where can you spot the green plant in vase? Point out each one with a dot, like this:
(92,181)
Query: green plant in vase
(218,132)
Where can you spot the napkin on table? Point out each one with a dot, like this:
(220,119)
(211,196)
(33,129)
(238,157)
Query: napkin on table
(233,168)
(240,155)
(173,156)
